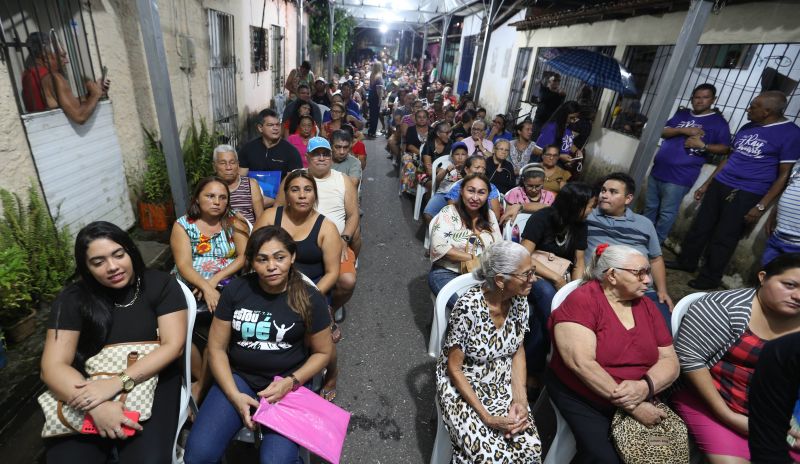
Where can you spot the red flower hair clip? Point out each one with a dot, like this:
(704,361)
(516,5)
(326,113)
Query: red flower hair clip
(600,249)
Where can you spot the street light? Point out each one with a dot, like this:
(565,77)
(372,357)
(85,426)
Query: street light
(383,28)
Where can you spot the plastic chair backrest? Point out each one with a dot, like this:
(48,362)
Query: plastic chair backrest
(680,310)
(249,226)
(439,162)
(186,400)
(519,221)
(456,286)
(562,294)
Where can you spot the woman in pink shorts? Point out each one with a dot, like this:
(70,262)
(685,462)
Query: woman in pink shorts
(718,345)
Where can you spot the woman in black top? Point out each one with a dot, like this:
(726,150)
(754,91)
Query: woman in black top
(499,170)
(437,145)
(115,300)
(268,323)
(561,230)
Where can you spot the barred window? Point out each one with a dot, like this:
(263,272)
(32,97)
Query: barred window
(277,59)
(571,85)
(258,49)
(726,56)
(42,37)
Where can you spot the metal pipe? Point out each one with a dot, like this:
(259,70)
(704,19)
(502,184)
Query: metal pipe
(156,56)
(331,16)
(424,48)
(413,44)
(668,88)
(442,45)
(300,50)
(494,6)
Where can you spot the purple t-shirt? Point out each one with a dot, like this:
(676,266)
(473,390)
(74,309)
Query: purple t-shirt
(676,164)
(548,137)
(757,152)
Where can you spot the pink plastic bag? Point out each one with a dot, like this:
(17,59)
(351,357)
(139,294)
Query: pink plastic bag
(308,420)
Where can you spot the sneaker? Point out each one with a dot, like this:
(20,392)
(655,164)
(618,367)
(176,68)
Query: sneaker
(678,266)
(703,284)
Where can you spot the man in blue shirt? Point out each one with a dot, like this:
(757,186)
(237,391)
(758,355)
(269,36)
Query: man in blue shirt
(741,188)
(688,137)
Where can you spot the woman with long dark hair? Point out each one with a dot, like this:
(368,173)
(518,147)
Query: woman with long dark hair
(560,231)
(269,323)
(115,300)
(461,231)
(557,131)
(306,128)
(292,124)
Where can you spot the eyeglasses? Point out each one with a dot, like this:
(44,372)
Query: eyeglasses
(534,187)
(477,129)
(639,273)
(526,275)
(320,154)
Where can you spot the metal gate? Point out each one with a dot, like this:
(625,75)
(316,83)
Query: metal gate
(518,83)
(222,76)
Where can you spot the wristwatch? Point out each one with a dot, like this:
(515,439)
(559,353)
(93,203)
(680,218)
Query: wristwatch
(761,207)
(127,382)
(295,382)
(347,238)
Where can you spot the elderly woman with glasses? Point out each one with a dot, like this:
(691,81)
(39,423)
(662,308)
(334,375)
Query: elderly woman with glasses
(480,375)
(612,350)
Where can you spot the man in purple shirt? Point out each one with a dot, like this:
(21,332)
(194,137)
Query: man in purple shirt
(741,188)
(688,137)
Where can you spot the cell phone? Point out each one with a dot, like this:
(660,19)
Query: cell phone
(104,73)
(90,429)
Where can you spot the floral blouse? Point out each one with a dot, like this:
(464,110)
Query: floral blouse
(521,158)
(209,254)
(448,232)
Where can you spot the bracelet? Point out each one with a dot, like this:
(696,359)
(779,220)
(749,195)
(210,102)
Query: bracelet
(651,389)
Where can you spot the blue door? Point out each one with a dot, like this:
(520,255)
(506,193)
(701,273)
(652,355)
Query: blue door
(467,56)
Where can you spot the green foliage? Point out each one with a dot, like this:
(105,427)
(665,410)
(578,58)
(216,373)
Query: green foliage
(46,248)
(15,284)
(319,29)
(198,148)
(156,180)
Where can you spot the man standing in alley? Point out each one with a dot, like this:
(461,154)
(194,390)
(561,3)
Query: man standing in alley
(783,224)
(301,75)
(741,188)
(551,96)
(688,138)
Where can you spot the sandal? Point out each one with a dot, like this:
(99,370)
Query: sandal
(336,332)
(329,395)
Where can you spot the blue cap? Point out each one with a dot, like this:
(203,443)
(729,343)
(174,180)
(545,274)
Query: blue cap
(318,142)
(459,145)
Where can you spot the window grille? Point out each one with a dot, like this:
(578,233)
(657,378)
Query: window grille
(571,85)
(277,59)
(68,26)
(258,49)
(764,67)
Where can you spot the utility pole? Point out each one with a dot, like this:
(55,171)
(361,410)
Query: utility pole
(669,87)
(156,56)
(443,45)
(413,44)
(330,39)
(424,48)
(301,50)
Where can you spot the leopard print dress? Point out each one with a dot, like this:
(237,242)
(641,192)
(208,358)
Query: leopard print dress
(487,366)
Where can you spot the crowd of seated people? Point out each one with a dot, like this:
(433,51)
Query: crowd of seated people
(238,248)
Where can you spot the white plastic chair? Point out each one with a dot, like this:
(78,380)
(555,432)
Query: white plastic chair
(563,449)
(442,449)
(519,221)
(680,310)
(437,163)
(186,401)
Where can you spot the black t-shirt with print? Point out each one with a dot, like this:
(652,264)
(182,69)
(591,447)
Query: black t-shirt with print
(540,229)
(267,336)
(283,157)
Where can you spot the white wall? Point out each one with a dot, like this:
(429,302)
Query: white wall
(499,70)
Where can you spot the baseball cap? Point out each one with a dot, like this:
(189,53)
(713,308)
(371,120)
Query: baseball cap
(319,142)
(452,147)
(321,79)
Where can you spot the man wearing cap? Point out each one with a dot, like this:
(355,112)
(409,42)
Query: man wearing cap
(337,200)
(320,96)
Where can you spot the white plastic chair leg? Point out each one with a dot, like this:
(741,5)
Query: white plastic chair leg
(434,343)
(427,243)
(442,449)
(563,447)
(418,202)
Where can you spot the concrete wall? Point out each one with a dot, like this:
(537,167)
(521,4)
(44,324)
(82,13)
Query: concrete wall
(607,151)
(499,69)
(120,46)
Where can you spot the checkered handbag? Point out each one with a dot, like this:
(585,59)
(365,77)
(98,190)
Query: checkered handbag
(112,360)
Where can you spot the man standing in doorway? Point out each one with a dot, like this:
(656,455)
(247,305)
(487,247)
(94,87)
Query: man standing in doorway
(741,188)
(551,96)
(688,137)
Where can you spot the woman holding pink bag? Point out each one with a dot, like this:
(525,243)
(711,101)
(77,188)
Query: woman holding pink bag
(268,323)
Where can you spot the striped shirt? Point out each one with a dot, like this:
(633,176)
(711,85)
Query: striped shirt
(788,221)
(242,200)
(712,325)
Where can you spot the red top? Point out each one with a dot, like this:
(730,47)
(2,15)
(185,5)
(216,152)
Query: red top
(624,354)
(32,92)
(359,148)
(732,374)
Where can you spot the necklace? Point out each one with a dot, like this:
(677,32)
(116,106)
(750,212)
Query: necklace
(561,242)
(135,295)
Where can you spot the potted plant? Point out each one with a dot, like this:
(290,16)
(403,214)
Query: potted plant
(156,212)
(17,314)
